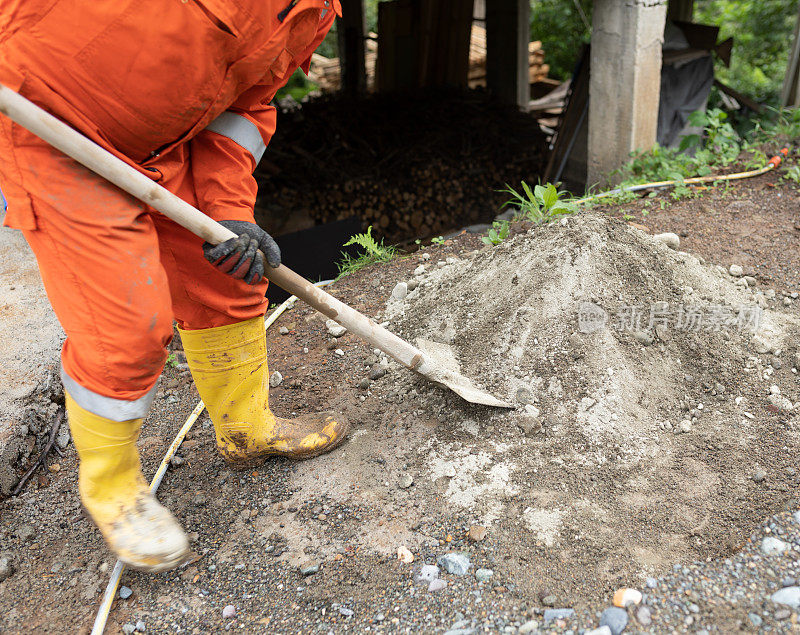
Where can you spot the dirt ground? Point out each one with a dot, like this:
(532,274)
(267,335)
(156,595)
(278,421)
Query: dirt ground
(567,520)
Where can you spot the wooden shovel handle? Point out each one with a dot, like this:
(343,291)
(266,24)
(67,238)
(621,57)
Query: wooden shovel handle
(127,178)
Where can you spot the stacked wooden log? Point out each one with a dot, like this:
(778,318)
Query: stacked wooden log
(326,72)
(477,59)
(412,165)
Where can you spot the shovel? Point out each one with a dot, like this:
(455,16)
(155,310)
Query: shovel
(436,364)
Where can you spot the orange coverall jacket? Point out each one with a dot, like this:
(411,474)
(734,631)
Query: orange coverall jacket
(181,90)
(143,77)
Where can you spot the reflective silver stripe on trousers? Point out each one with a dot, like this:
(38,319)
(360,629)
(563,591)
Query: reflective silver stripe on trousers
(108,407)
(240,130)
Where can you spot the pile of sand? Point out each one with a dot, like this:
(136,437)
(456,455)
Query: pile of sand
(599,327)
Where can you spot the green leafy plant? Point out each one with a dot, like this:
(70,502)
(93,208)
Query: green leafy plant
(374,252)
(438,240)
(172,360)
(722,142)
(540,204)
(498,233)
(792,173)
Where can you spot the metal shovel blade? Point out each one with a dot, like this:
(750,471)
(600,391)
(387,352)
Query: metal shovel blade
(442,367)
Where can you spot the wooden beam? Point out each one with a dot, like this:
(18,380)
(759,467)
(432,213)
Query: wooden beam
(352,29)
(681,10)
(790,94)
(507,37)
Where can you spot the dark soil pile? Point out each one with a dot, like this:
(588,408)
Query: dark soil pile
(411,165)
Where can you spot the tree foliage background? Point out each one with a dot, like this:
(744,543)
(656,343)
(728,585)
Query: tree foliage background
(762,32)
(762,35)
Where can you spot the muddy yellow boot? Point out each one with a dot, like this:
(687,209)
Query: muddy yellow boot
(140,532)
(229,367)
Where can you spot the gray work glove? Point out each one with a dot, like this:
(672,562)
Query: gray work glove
(236,256)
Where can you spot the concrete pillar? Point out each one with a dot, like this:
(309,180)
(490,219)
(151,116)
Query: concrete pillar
(625,82)
(352,28)
(507,37)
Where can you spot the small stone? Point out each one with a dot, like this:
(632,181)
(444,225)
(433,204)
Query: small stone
(334,328)
(643,616)
(177,461)
(26,532)
(405,555)
(751,281)
(603,630)
(476,533)
(140,627)
(760,345)
(530,426)
(309,568)
(419,270)
(685,426)
(6,568)
(780,403)
(455,563)
(755,619)
(787,302)
(346,612)
(615,618)
(426,574)
(558,614)
(405,481)
(790,596)
(736,271)
(365,383)
(482,575)
(283,330)
(412,284)
(229,612)
(782,614)
(437,585)
(128,628)
(627,597)
(651,583)
(376,372)
(125,592)
(645,338)
(62,438)
(772,546)
(529,627)
(796,517)
(199,500)
(549,600)
(788,581)
(275,379)
(759,476)
(339,352)
(671,240)
(400,291)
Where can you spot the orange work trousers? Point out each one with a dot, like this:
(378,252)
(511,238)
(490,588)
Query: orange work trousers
(117,273)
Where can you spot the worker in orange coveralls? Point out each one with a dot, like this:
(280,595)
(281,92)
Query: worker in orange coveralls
(180,90)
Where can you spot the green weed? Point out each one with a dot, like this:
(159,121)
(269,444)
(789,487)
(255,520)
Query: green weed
(541,204)
(498,233)
(374,252)
(792,173)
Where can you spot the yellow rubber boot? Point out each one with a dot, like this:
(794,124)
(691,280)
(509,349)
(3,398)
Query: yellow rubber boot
(141,532)
(229,367)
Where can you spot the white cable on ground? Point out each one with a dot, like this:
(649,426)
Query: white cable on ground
(119,567)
